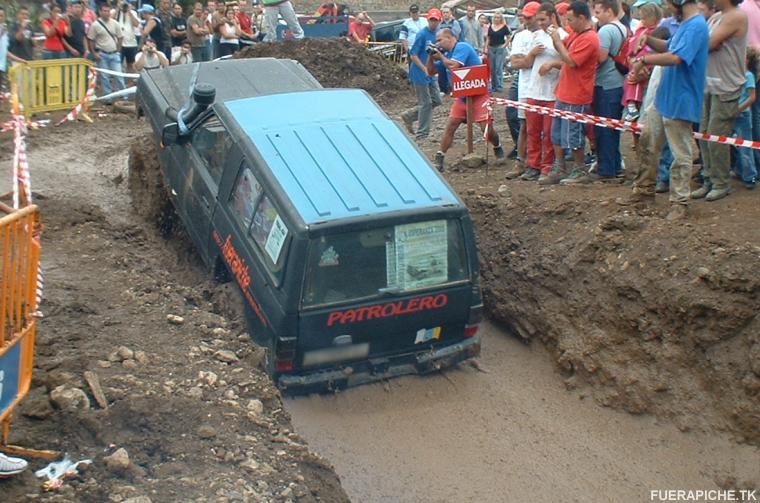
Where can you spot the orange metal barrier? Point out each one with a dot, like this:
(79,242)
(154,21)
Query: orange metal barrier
(19,260)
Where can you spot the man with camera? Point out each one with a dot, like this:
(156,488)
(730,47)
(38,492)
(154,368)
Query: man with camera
(425,86)
(150,57)
(447,55)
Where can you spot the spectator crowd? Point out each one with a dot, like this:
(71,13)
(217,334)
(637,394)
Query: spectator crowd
(122,37)
(673,66)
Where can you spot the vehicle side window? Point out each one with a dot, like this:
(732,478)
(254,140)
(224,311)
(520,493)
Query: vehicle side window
(244,195)
(212,142)
(269,231)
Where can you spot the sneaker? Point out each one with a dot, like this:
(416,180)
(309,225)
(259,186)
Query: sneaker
(513,154)
(701,192)
(577,175)
(750,185)
(716,194)
(677,212)
(553,177)
(439,160)
(11,466)
(498,152)
(531,174)
(662,187)
(589,159)
(631,113)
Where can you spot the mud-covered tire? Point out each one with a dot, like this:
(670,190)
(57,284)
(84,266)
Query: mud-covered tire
(150,198)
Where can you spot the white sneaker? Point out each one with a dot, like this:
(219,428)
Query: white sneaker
(11,466)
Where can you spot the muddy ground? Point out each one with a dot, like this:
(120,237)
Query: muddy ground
(643,315)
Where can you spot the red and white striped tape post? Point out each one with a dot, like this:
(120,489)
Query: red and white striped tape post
(618,124)
(82,105)
(22,182)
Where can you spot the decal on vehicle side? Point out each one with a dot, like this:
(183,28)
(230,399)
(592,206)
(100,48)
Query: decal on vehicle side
(387,310)
(239,270)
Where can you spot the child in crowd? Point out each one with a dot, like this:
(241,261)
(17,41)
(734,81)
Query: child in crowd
(744,165)
(635,85)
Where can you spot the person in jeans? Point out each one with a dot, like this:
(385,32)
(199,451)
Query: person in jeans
(496,48)
(745,160)
(275,8)
(726,67)
(425,86)
(608,93)
(578,56)
(677,105)
(105,39)
(472,31)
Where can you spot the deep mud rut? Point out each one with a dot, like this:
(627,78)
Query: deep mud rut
(618,310)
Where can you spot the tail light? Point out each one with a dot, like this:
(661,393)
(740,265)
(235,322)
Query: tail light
(285,355)
(473,321)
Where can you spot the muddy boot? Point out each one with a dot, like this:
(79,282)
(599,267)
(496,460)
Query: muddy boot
(716,194)
(439,161)
(576,176)
(701,192)
(635,199)
(677,212)
(515,172)
(530,175)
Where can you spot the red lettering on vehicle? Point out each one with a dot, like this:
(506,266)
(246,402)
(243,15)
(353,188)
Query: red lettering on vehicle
(426,303)
(387,310)
(239,269)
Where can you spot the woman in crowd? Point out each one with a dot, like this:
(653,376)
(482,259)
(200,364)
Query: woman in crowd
(496,48)
(229,40)
(55,28)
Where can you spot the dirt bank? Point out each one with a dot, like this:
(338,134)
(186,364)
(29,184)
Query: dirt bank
(655,317)
(339,63)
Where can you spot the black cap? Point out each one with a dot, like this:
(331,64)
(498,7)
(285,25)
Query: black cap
(414,8)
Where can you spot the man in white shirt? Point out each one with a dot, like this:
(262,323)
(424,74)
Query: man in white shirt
(522,43)
(411,26)
(544,76)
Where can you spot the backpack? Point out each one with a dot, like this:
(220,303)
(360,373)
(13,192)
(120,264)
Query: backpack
(621,58)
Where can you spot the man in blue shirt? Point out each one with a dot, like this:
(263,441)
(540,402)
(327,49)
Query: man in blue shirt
(677,106)
(454,55)
(425,86)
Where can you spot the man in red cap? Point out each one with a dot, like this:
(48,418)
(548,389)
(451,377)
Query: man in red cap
(425,86)
(521,59)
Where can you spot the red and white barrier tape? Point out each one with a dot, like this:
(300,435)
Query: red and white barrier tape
(11,125)
(618,124)
(22,181)
(71,116)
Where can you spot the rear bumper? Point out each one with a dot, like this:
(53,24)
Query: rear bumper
(378,369)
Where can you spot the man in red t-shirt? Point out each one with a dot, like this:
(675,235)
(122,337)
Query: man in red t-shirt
(360,28)
(579,54)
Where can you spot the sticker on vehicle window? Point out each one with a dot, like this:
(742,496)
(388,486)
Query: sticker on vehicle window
(329,258)
(418,255)
(276,239)
(427,334)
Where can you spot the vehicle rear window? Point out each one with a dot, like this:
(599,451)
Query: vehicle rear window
(384,261)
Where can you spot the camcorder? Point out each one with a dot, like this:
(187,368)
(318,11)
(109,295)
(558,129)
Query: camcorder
(433,48)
